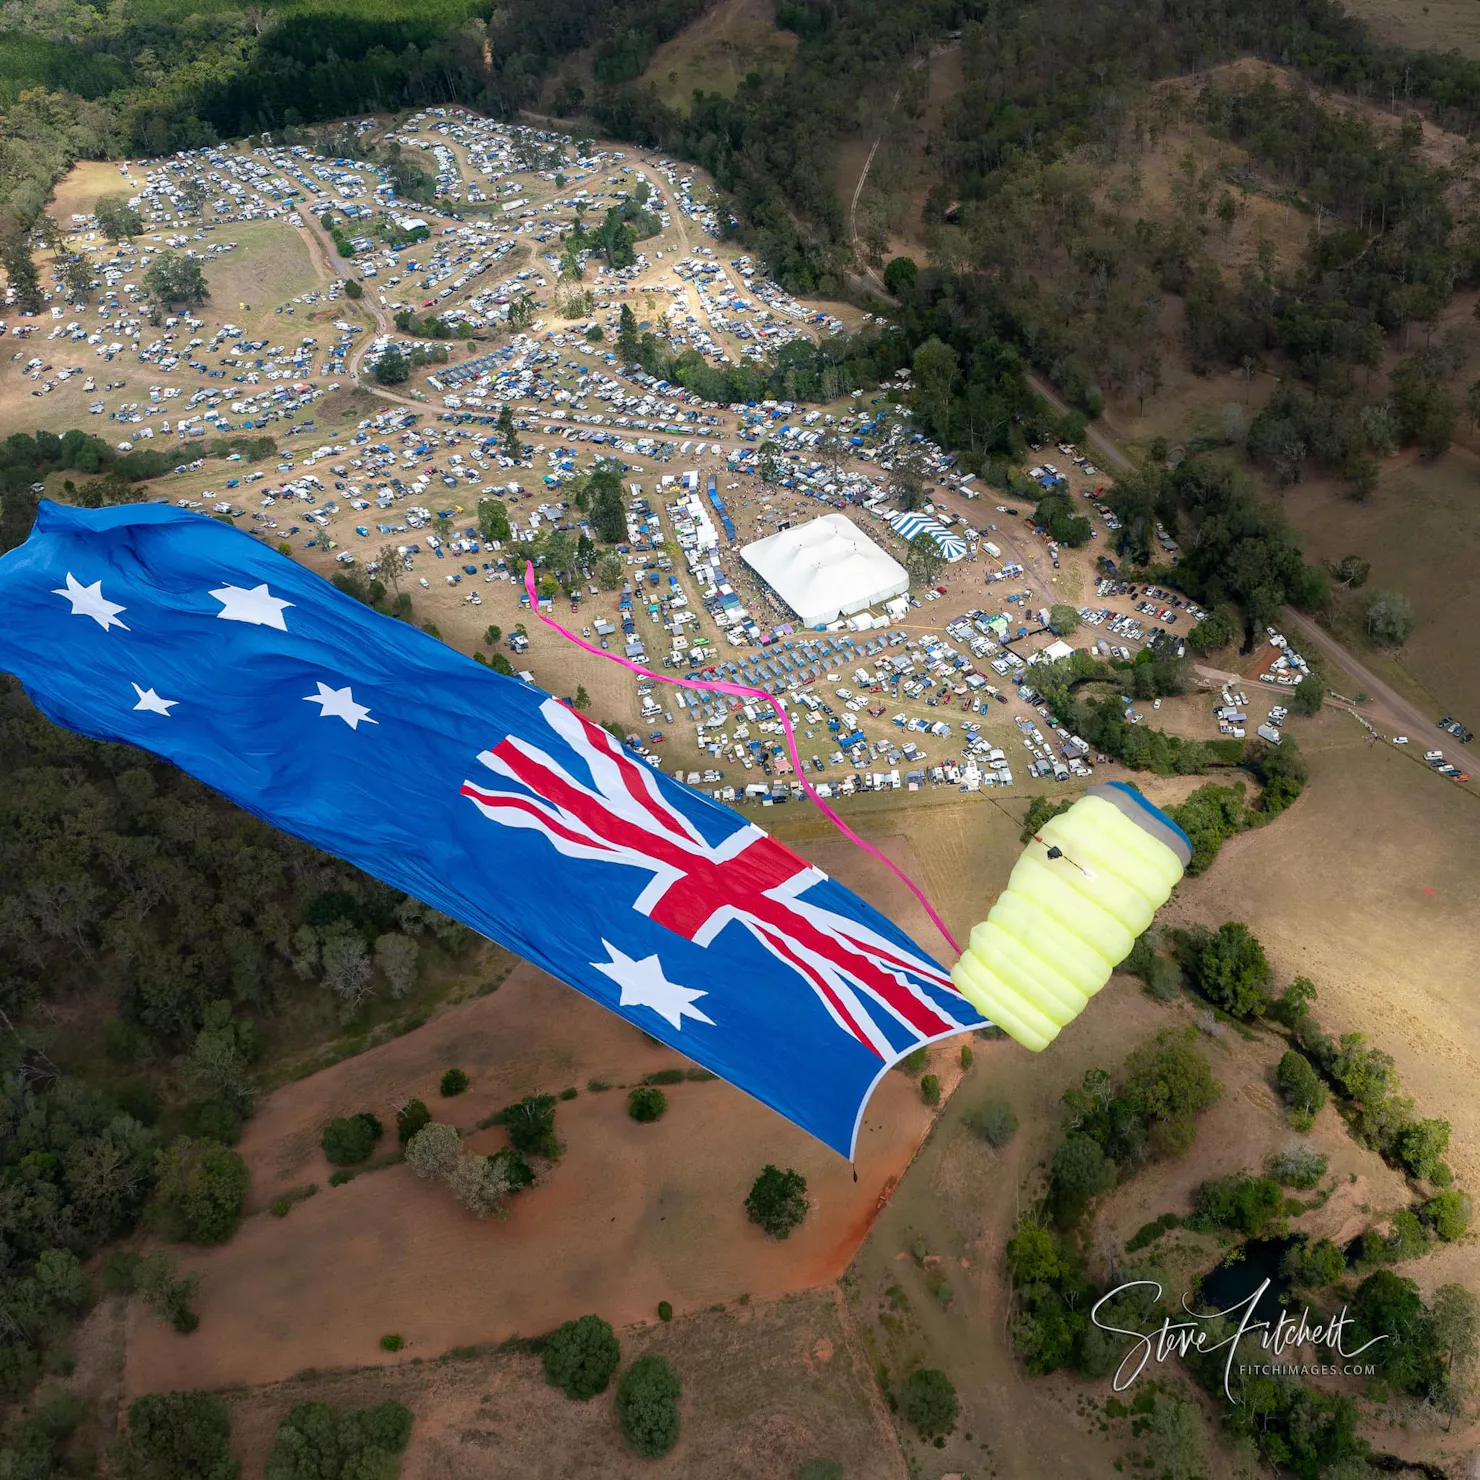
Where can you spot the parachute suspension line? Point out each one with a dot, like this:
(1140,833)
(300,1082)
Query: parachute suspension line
(741,690)
(1054,851)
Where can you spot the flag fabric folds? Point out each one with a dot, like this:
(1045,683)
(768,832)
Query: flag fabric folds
(476,793)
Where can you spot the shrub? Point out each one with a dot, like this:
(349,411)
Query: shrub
(777,1201)
(392,1341)
(281,1207)
(646,1103)
(1301,1167)
(1241,1202)
(570,1092)
(930,1089)
(410,1118)
(454,1082)
(914,1061)
(967,1059)
(119,1272)
(199,1190)
(664,1076)
(821,1469)
(1448,1213)
(350,1139)
(665,1311)
(339,1178)
(1317,1264)
(1300,1084)
(317,1440)
(511,1167)
(647,1404)
(929,1402)
(995,1122)
(597,1086)
(1149,1232)
(172,1436)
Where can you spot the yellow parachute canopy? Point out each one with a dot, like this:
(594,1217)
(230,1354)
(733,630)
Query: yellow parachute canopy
(1085,888)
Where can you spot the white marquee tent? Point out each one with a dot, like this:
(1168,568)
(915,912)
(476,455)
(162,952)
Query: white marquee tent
(826,569)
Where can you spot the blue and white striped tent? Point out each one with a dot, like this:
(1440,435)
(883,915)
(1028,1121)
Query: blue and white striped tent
(951,546)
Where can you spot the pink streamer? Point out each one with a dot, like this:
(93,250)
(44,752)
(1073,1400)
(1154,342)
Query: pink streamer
(744,691)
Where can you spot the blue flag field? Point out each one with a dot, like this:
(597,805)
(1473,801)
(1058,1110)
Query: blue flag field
(476,793)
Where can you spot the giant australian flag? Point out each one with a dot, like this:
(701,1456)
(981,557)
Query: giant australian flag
(474,792)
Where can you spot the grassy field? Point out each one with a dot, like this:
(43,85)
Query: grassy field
(766,1387)
(1421,531)
(1364,886)
(713,54)
(1435,25)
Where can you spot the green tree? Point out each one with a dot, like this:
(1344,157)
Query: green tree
(176,1436)
(1213,632)
(77,277)
(397,958)
(581,1356)
(454,1082)
(350,1139)
(582,700)
(1081,1171)
(531,1126)
(1174,1439)
(116,218)
(1317,1265)
(899,276)
(1063,619)
(493,520)
(1455,1324)
(199,1190)
(936,366)
(628,343)
(647,1405)
(768,460)
(777,1200)
(1230,968)
(1300,1084)
(412,1117)
(608,508)
(1448,1213)
(492,634)
(1421,1148)
(646,1103)
(1309,695)
(173,277)
(500,664)
(609,570)
(156,1280)
(20,269)
(928,1401)
(923,560)
(353,289)
(1170,1083)
(391,367)
(1389,618)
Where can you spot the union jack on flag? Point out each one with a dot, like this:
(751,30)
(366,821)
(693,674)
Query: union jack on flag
(476,793)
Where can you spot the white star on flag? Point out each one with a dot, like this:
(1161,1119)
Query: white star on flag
(644,985)
(89,601)
(256,605)
(340,702)
(151,701)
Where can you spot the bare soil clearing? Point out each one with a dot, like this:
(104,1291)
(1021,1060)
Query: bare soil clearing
(632,1215)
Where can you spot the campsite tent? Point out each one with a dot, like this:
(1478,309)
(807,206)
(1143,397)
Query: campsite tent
(826,569)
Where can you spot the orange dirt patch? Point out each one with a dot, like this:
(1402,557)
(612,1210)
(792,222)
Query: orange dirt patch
(632,1215)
